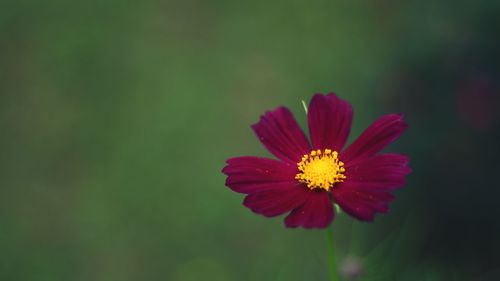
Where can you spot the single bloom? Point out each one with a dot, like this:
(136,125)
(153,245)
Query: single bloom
(310,175)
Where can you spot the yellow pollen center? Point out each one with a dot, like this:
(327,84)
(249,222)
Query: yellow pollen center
(321,169)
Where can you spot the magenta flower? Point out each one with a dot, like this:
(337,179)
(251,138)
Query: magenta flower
(308,176)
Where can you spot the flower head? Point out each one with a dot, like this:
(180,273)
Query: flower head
(309,175)
(351,268)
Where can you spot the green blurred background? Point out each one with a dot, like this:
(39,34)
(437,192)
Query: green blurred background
(116,118)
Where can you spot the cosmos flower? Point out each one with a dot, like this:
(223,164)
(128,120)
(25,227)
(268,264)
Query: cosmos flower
(310,175)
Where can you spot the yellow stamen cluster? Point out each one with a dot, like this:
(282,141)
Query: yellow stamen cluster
(321,169)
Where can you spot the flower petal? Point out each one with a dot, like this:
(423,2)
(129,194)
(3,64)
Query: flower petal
(378,173)
(281,135)
(380,133)
(362,205)
(329,120)
(276,200)
(250,174)
(316,212)
(365,191)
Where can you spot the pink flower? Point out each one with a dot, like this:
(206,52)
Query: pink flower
(309,175)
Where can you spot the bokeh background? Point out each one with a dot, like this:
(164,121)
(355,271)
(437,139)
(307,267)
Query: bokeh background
(116,118)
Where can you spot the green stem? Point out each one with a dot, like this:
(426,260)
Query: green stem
(304,104)
(332,261)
